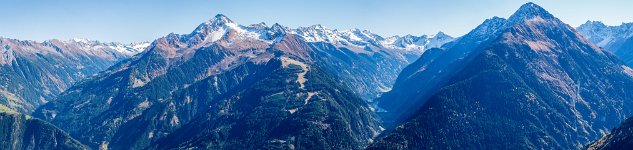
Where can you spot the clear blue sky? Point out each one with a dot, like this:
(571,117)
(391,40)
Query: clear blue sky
(145,20)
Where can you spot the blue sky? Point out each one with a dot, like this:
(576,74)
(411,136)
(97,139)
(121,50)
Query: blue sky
(145,20)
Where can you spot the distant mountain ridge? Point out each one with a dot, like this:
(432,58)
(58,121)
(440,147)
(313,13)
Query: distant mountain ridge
(33,73)
(617,39)
(127,49)
(608,37)
(360,38)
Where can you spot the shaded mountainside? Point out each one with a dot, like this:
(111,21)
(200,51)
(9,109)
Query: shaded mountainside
(267,112)
(417,81)
(537,84)
(625,52)
(22,132)
(225,86)
(619,138)
(34,73)
(365,74)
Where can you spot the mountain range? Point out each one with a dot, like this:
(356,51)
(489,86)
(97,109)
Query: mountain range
(228,86)
(34,73)
(532,83)
(526,82)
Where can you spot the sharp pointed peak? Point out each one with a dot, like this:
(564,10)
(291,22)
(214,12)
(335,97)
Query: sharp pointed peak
(219,21)
(531,6)
(279,28)
(220,18)
(529,11)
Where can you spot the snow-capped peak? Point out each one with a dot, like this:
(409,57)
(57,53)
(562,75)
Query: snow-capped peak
(218,23)
(317,27)
(260,26)
(218,27)
(352,37)
(362,38)
(416,43)
(316,33)
(277,28)
(134,48)
(127,49)
(220,18)
(439,34)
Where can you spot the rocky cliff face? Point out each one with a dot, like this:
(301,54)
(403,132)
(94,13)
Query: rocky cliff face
(536,84)
(23,132)
(33,73)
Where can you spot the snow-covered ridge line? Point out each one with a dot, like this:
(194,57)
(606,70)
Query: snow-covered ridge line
(128,49)
(74,44)
(220,26)
(361,38)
